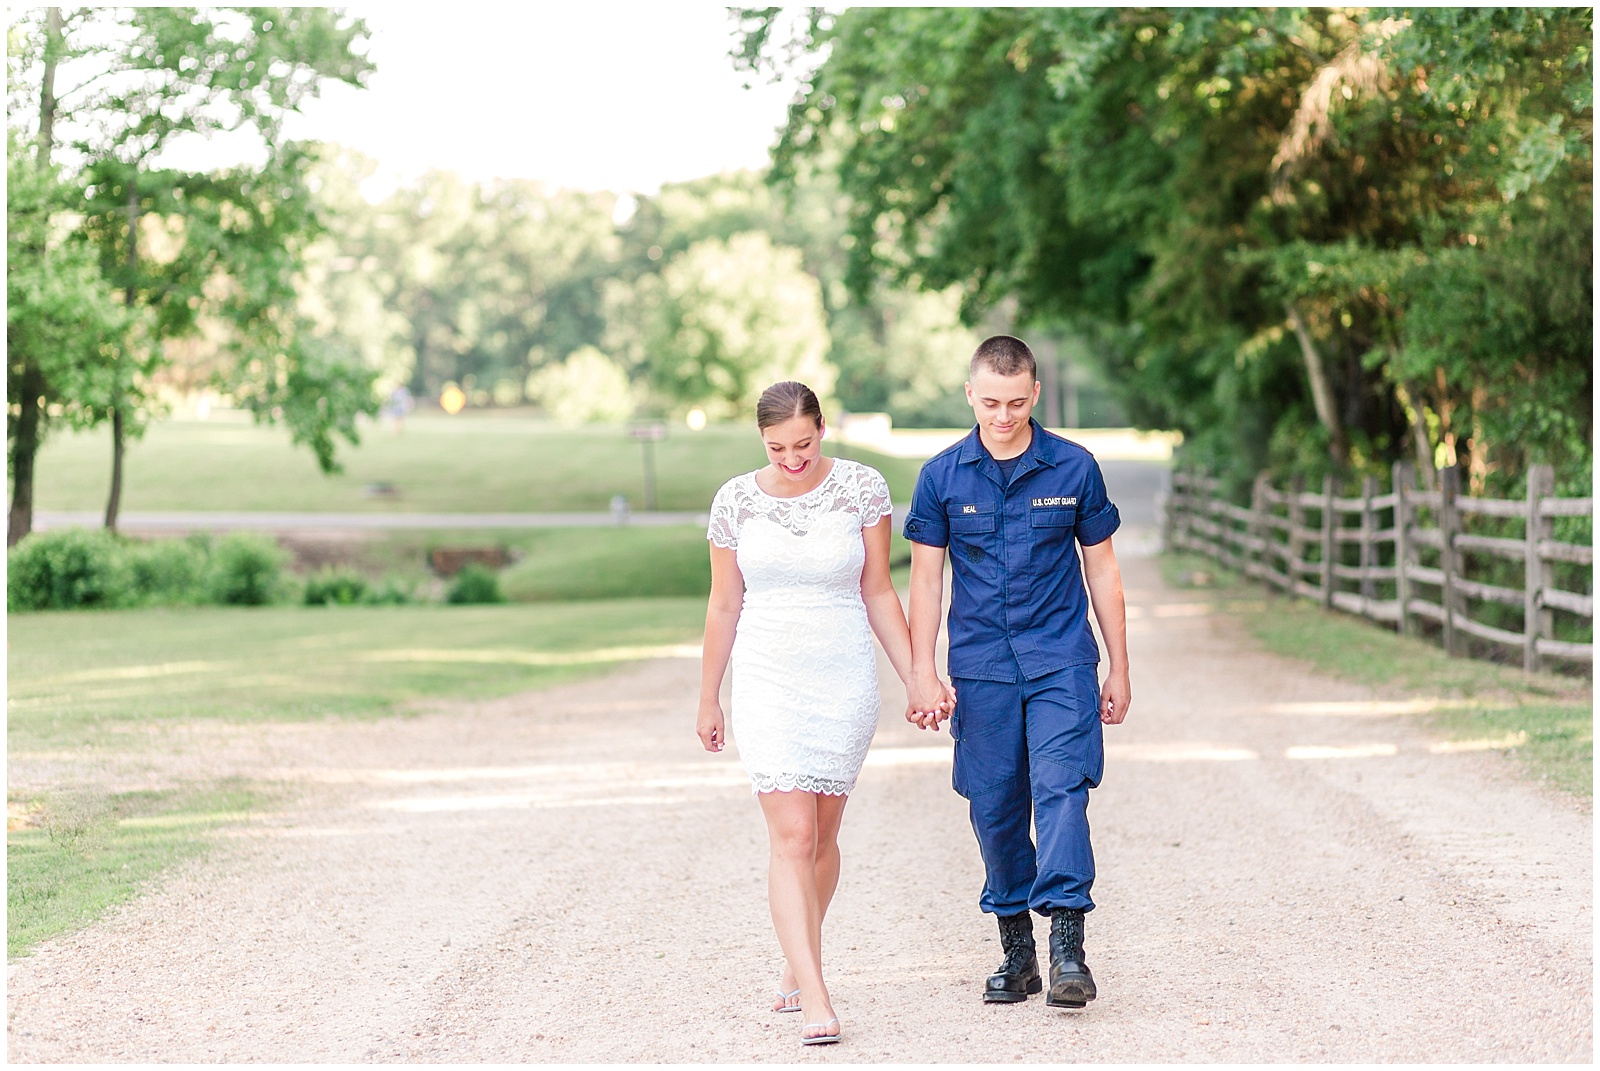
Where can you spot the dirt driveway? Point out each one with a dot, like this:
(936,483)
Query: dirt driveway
(1289,872)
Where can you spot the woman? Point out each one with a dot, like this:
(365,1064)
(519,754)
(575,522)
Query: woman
(799,586)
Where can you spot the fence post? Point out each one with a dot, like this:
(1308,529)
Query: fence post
(1327,543)
(1449,524)
(1169,507)
(1369,544)
(1400,481)
(1536,620)
(1297,523)
(1257,528)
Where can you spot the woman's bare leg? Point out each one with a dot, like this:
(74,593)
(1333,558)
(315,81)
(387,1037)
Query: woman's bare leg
(792,831)
(830,813)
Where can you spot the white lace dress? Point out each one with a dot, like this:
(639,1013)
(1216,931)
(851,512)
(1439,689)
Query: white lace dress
(805,678)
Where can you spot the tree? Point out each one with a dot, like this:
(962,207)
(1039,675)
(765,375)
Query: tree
(181,243)
(1268,217)
(586,388)
(63,324)
(720,323)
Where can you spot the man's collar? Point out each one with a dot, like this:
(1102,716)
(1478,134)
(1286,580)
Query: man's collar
(1039,448)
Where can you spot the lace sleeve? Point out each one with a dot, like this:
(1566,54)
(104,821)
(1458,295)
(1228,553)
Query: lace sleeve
(875,504)
(723,531)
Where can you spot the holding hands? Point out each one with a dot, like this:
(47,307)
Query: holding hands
(929,701)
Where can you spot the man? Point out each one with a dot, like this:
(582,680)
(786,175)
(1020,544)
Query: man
(1013,502)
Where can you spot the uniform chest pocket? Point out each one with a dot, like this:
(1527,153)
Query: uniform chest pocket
(1051,526)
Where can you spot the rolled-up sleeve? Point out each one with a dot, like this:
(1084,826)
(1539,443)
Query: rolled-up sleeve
(926,522)
(1097,515)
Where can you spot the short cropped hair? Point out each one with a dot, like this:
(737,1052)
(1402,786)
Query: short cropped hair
(1004,355)
(783,401)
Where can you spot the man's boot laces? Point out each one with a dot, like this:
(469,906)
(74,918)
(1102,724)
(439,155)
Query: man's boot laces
(1016,940)
(1067,928)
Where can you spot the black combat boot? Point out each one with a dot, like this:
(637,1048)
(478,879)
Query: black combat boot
(1071,984)
(1019,972)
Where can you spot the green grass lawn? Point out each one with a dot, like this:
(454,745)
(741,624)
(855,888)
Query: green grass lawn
(78,680)
(472,463)
(75,674)
(608,563)
(586,563)
(88,853)
(1551,716)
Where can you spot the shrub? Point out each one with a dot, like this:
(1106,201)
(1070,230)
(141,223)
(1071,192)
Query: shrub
(246,570)
(65,570)
(475,584)
(392,592)
(337,587)
(169,572)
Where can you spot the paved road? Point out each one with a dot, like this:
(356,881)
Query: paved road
(1289,871)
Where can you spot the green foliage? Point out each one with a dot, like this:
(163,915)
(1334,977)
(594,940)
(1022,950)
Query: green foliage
(246,570)
(210,256)
(75,568)
(475,584)
(68,569)
(347,587)
(336,587)
(586,388)
(63,325)
(1186,186)
(722,322)
(477,284)
(168,572)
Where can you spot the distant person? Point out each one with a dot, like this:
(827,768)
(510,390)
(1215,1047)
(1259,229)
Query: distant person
(1013,503)
(400,403)
(799,586)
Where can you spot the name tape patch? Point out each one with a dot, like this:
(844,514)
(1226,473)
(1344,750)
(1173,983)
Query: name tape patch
(1048,503)
(969,509)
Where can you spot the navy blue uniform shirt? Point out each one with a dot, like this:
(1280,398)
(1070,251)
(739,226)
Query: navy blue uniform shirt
(1017,596)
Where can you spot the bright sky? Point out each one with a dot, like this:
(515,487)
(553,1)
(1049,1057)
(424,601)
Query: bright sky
(615,96)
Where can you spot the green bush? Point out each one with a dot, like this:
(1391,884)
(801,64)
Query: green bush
(475,584)
(246,570)
(76,568)
(337,587)
(65,570)
(168,572)
(392,592)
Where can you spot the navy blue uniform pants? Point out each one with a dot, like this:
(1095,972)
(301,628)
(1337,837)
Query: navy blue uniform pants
(1027,753)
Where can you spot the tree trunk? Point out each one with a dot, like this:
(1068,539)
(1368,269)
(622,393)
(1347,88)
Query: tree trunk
(47,96)
(1321,388)
(24,448)
(29,431)
(118,435)
(114,501)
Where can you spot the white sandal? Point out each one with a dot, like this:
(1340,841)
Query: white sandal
(786,998)
(820,1039)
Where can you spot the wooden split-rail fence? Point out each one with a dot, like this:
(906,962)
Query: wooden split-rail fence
(1373,555)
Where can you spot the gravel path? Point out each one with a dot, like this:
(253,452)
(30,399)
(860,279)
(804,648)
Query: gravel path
(1289,872)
